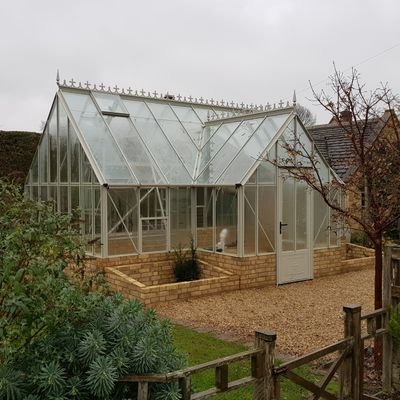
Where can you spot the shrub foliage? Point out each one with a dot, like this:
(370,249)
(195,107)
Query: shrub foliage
(62,340)
(186,266)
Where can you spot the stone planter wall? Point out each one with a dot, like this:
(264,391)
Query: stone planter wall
(152,284)
(149,277)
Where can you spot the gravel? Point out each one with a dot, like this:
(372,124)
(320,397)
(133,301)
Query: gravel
(305,315)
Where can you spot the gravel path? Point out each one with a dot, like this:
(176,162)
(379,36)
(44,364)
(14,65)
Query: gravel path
(305,315)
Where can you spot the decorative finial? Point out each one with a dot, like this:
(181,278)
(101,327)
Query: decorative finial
(294,98)
(58,77)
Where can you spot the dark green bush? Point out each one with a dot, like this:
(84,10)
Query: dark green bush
(186,266)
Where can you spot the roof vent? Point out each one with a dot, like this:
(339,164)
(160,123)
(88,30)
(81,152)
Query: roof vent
(169,96)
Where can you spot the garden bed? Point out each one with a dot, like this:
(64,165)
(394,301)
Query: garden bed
(155,282)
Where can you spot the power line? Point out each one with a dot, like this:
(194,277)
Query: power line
(356,65)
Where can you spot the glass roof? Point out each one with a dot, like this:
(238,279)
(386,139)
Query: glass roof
(145,141)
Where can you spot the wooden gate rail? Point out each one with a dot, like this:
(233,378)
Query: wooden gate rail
(286,369)
(222,383)
(374,319)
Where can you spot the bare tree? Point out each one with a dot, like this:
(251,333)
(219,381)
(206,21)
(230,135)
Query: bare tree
(306,116)
(374,165)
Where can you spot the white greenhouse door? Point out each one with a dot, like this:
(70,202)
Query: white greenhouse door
(294,250)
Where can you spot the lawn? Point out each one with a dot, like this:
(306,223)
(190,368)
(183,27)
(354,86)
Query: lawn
(203,347)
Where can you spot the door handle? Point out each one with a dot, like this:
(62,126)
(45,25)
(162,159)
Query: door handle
(280,226)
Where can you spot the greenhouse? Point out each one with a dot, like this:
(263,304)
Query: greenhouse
(150,172)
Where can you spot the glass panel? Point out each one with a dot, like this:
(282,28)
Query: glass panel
(157,143)
(283,157)
(180,205)
(63,200)
(210,148)
(43,193)
(266,173)
(153,213)
(226,214)
(87,217)
(98,138)
(119,241)
(53,144)
(53,196)
(208,132)
(303,146)
(85,168)
(176,134)
(74,197)
(321,221)
(153,202)
(34,168)
(63,143)
(154,234)
(228,152)
(109,102)
(43,154)
(251,151)
(97,221)
(74,151)
(288,214)
(35,193)
(204,217)
(253,179)
(250,224)
(204,113)
(266,218)
(123,223)
(323,170)
(191,122)
(301,215)
(135,152)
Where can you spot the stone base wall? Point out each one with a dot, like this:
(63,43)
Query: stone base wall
(124,280)
(149,277)
(339,260)
(254,271)
(355,251)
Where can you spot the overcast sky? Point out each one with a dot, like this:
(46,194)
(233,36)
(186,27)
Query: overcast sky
(242,50)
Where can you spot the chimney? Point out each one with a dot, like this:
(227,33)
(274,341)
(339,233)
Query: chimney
(345,116)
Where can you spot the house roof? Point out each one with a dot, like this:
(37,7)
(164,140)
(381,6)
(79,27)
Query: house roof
(140,139)
(334,143)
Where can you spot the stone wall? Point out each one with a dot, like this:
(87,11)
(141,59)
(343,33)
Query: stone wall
(342,259)
(355,251)
(254,271)
(149,277)
(125,279)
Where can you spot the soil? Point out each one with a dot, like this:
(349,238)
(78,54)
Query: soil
(305,315)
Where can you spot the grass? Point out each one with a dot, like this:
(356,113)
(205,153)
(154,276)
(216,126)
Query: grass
(203,347)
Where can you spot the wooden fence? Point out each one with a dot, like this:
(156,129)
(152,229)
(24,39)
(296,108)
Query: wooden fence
(266,377)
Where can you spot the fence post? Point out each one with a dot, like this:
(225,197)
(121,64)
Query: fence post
(264,388)
(387,303)
(185,385)
(393,257)
(351,370)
